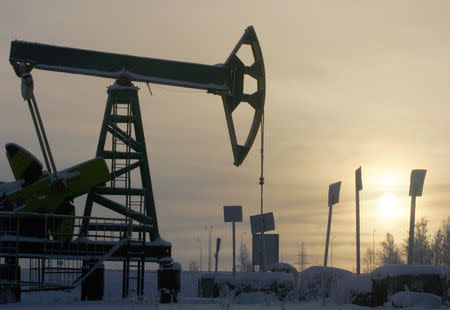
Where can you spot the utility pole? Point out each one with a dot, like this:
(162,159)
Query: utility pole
(373,249)
(333,198)
(415,190)
(216,255)
(358,187)
(209,229)
(201,253)
(242,248)
(302,258)
(234,249)
(332,238)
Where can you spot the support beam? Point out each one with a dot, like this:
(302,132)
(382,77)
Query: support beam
(117,207)
(112,65)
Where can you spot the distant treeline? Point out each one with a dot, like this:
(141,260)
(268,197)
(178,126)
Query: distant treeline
(429,249)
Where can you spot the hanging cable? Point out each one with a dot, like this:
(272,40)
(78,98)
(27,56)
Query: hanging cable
(261,183)
(261,178)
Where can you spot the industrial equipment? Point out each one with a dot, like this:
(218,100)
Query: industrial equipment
(122,145)
(37,191)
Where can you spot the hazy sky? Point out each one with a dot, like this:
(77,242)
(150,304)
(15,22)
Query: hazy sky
(349,84)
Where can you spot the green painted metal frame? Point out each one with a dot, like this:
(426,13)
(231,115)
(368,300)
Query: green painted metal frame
(226,80)
(111,65)
(138,151)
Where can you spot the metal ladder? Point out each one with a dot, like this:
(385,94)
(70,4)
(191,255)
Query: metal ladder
(127,154)
(132,269)
(134,265)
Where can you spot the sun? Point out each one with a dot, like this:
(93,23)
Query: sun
(388,206)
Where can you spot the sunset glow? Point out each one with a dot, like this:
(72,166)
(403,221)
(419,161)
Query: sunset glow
(388,206)
(348,84)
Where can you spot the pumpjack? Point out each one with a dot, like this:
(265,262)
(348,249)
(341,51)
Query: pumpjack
(122,146)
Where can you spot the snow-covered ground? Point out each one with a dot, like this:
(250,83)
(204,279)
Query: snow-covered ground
(190,301)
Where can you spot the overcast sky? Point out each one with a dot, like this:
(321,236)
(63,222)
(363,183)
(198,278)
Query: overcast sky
(349,84)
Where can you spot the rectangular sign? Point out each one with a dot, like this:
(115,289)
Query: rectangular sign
(358,180)
(416,183)
(232,213)
(333,193)
(271,245)
(256,222)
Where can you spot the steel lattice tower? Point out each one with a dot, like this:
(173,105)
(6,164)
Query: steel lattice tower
(122,143)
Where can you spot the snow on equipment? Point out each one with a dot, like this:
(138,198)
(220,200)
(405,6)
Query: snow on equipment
(122,145)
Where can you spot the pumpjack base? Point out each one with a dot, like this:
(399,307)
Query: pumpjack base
(55,260)
(9,293)
(31,247)
(169,284)
(93,287)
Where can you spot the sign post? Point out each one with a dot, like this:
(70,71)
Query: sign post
(415,189)
(233,214)
(358,187)
(333,198)
(216,255)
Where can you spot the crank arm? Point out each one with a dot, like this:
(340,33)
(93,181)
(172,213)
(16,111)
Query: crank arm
(237,96)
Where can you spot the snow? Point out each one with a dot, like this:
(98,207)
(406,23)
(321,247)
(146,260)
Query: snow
(66,174)
(176,266)
(10,187)
(279,285)
(165,260)
(284,267)
(256,298)
(160,242)
(399,270)
(352,287)
(409,299)
(4,238)
(318,282)
(117,86)
(258,277)
(188,299)
(362,283)
(98,305)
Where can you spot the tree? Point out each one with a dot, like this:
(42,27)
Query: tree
(440,245)
(446,229)
(437,247)
(446,258)
(369,261)
(422,253)
(390,252)
(244,259)
(193,266)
